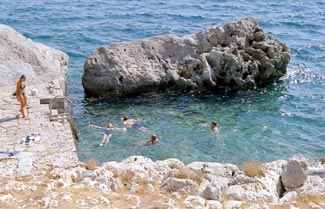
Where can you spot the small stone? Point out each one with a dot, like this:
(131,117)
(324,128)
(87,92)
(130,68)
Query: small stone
(295,172)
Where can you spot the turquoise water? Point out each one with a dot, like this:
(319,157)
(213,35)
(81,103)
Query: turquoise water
(283,119)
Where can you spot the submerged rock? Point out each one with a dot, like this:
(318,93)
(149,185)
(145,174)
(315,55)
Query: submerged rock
(236,56)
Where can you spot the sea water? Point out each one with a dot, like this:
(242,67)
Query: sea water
(275,122)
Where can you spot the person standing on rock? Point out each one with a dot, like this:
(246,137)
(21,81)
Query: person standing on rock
(21,96)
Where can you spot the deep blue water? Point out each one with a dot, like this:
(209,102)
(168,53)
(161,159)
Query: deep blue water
(283,119)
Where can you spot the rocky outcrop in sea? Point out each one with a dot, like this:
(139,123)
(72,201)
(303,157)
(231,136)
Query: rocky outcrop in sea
(239,55)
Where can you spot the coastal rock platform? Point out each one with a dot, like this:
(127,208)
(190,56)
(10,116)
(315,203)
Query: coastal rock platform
(46,173)
(237,56)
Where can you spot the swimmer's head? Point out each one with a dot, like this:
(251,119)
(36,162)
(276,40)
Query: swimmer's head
(110,125)
(125,118)
(154,139)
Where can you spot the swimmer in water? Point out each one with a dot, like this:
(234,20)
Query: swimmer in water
(107,134)
(214,127)
(153,140)
(134,123)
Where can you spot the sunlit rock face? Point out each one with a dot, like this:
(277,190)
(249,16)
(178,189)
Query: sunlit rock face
(42,65)
(237,56)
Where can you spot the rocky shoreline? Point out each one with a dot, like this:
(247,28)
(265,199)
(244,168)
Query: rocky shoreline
(48,174)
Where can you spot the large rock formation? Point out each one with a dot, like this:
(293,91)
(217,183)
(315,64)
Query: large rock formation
(236,56)
(41,64)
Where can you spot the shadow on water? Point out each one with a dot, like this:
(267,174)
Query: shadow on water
(266,94)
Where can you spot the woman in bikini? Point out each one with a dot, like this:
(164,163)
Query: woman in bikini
(107,134)
(21,96)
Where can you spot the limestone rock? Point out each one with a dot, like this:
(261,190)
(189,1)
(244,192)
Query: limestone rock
(135,199)
(105,189)
(139,167)
(215,170)
(236,56)
(213,204)
(20,55)
(175,184)
(194,202)
(106,178)
(66,177)
(267,189)
(171,163)
(6,198)
(295,172)
(233,204)
(314,186)
(181,186)
(214,190)
(50,203)
(288,196)
(105,201)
